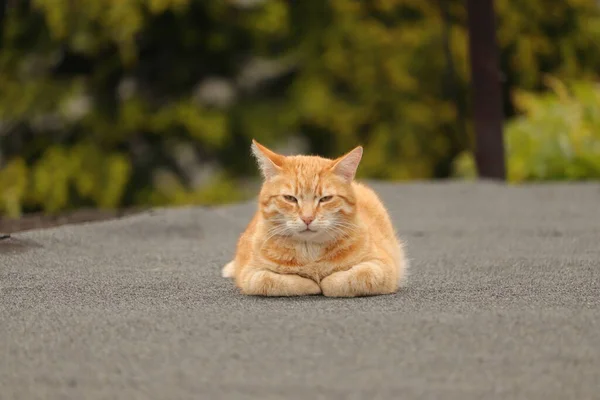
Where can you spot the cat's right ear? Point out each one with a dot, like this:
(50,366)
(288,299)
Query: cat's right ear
(346,165)
(269,162)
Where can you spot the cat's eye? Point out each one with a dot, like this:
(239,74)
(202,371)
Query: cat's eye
(289,198)
(325,199)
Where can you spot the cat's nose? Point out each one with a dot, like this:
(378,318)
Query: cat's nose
(308,220)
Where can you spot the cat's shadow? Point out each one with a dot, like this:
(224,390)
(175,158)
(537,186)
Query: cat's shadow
(319,298)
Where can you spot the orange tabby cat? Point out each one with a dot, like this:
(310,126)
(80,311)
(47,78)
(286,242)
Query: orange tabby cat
(316,231)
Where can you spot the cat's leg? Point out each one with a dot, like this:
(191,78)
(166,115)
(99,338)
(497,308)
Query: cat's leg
(228,270)
(364,279)
(260,282)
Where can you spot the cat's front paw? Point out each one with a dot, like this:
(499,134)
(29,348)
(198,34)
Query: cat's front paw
(310,287)
(336,285)
(365,279)
(268,283)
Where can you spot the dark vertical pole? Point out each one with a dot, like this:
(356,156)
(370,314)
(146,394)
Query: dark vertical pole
(486,89)
(2,16)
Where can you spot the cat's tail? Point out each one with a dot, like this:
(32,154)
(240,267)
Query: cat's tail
(228,270)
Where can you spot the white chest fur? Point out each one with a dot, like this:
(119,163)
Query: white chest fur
(307,252)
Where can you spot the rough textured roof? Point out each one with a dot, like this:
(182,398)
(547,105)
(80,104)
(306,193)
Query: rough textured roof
(503,302)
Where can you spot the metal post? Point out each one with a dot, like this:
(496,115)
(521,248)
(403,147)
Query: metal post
(486,89)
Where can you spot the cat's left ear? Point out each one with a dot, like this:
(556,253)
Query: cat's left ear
(346,165)
(269,162)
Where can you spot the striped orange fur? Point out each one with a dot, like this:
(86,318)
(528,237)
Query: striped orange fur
(316,231)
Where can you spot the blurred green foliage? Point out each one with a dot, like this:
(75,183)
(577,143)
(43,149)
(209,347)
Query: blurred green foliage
(556,138)
(131,102)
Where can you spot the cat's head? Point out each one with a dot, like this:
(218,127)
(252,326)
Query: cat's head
(307,198)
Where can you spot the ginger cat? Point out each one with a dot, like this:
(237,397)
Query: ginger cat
(316,231)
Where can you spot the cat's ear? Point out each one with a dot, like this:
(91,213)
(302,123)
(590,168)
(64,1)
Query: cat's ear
(269,162)
(346,165)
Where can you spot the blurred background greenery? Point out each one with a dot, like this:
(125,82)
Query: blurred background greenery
(119,103)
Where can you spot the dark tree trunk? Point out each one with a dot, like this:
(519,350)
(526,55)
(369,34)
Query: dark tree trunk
(486,89)
(3,6)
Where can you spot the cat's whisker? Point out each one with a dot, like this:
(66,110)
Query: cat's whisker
(344,230)
(347,229)
(345,224)
(277,230)
(338,232)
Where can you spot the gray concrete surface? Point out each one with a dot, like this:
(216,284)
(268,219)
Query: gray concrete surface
(503,302)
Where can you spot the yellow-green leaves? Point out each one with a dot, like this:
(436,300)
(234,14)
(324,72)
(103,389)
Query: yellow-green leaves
(206,126)
(111,103)
(556,138)
(13,187)
(61,176)
(119,21)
